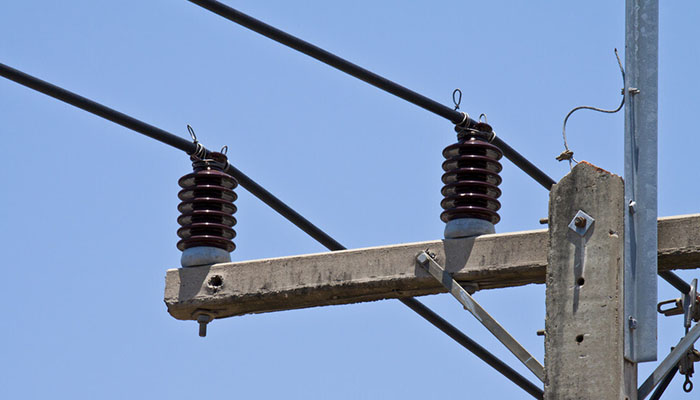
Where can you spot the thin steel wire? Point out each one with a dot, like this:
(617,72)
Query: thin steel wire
(567,154)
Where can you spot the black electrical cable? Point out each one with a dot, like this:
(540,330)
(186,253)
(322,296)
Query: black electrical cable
(456,117)
(168,138)
(262,194)
(474,347)
(96,108)
(664,384)
(675,281)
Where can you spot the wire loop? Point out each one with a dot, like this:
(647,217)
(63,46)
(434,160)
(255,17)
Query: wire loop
(192,134)
(199,151)
(457,100)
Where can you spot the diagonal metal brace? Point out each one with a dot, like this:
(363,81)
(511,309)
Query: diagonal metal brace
(671,360)
(461,294)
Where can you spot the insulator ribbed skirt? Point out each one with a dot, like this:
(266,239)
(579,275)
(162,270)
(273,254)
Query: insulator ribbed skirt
(207,206)
(471,180)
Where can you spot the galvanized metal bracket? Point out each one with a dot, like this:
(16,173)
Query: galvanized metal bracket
(462,295)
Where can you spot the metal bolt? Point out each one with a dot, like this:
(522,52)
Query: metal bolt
(580,222)
(544,221)
(632,322)
(541,332)
(633,90)
(632,206)
(422,258)
(203,320)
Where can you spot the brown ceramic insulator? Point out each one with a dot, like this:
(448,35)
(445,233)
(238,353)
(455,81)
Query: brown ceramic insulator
(207,205)
(471,178)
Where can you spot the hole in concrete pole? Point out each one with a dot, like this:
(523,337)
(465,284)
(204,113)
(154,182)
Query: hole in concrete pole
(580,281)
(215,281)
(579,338)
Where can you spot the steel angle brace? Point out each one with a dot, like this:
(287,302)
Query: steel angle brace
(671,361)
(462,295)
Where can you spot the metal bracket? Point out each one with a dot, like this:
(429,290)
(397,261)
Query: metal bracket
(471,305)
(691,305)
(641,176)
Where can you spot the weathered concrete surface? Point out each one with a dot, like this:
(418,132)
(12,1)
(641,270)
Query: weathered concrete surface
(352,276)
(584,342)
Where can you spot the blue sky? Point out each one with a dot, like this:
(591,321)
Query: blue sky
(89,208)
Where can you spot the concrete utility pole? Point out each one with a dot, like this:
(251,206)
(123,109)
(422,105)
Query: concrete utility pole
(584,347)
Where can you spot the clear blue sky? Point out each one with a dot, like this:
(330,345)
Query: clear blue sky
(89,208)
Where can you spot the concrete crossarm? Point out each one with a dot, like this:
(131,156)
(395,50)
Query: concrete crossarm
(352,276)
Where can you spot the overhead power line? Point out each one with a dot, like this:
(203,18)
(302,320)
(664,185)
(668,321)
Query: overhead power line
(170,139)
(454,116)
(266,197)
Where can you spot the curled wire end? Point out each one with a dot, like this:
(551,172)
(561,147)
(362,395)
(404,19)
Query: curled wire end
(199,151)
(485,120)
(224,150)
(619,62)
(457,100)
(192,134)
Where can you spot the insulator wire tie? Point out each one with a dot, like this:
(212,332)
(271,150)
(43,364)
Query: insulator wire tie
(199,151)
(568,154)
(465,118)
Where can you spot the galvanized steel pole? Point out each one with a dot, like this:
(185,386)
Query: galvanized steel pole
(641,124)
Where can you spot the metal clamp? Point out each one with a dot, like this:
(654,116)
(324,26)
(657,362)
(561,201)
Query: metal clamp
(687,367)
(688,305)
(462,295)
(677,308)
(693,309)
